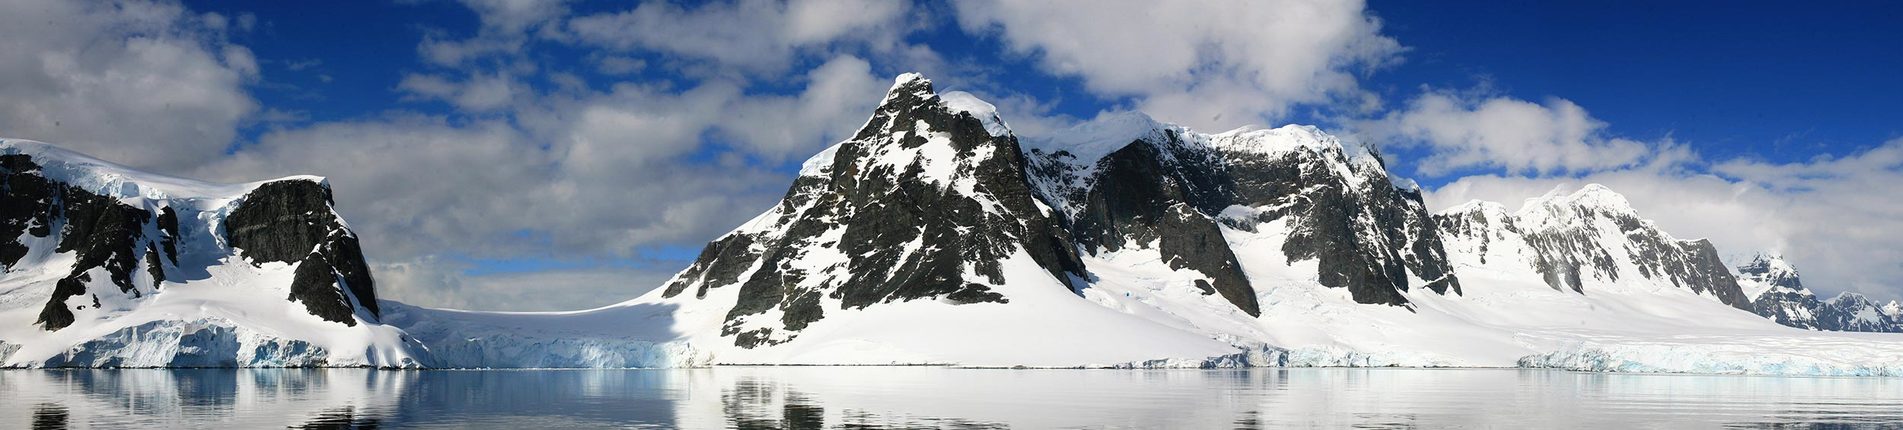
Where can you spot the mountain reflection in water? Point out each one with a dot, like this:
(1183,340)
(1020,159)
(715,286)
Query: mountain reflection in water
(925,397)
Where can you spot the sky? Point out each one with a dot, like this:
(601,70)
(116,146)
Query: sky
(546,155)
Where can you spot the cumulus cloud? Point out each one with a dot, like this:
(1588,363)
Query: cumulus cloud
(478,93)
(838,97)
(573,176)
(597,175)
(506,27)
(1832,216)
(758,37)
(1518,136)
(573,173)
(1212,65)
(146,82)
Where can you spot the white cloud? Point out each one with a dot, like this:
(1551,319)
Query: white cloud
(516,16)
(437,283)
(619,65)
(838,97)
(146,83)
(758,37)
(572,173)
(1507,133)
(576,174)
(506,28)
(1206,64)
(1833,217)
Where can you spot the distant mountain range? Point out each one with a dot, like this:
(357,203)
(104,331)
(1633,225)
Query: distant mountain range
(935,235)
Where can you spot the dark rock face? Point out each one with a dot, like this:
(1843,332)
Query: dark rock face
(1140,198)
(876,227)
(101,232)
(27,204)
(281,221)
(1366,234)
(291,221)
(1367,237)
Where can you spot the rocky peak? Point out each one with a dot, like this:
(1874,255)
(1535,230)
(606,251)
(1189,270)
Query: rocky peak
(924,202)
(1849,299)
(1768,271)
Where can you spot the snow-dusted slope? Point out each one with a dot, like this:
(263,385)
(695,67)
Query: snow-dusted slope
(106,266)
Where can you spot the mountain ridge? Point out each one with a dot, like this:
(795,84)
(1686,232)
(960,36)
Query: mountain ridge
(935,235)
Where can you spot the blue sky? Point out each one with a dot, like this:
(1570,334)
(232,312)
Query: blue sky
(1771,79)
(1753,79)
(528,154)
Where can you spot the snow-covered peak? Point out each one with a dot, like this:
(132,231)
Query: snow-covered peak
(908,77)
(1285,138)
(1851,300)
(1590,196)
(1769,263)
(960,101)
(820,164)
(111,179)
(919,133)
(912,84)
(1768,272)
(1492,212)
(1556,209)
(1893,308)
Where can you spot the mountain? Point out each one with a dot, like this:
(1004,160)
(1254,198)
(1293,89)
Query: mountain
(927,202)
(106,266)
(1591,238)
(1130,242)
(1779,295)
(1166,192)
(936,235)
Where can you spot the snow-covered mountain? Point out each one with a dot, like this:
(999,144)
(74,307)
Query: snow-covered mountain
(1591,238)
(106,266)
(935,235)
(1778,294)
(1134,188)
(1126,241)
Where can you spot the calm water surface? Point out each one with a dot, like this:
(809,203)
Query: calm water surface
(913,397)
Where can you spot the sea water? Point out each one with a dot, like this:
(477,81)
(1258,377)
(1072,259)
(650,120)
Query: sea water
(932,397)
